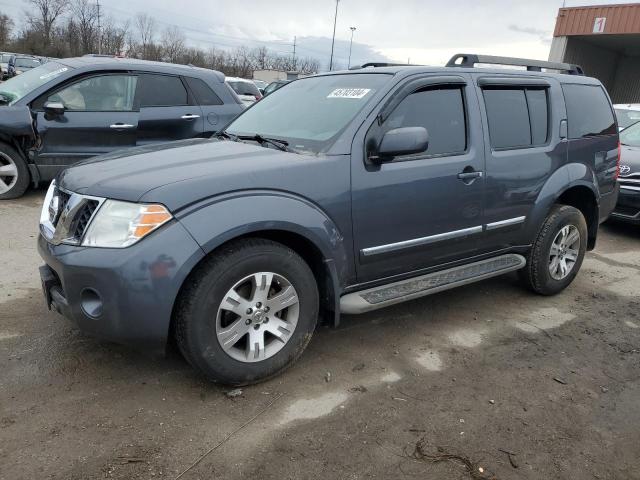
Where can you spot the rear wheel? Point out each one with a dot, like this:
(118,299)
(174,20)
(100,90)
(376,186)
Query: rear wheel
(558,251)
(14,174)
(248,312)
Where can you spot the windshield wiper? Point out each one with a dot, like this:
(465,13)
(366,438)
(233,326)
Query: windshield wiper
(225,134)
(276,142)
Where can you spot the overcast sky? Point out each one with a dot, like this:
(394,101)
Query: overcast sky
(422,31)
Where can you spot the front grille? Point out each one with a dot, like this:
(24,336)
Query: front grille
(68,217)
(83,217)
(63,199)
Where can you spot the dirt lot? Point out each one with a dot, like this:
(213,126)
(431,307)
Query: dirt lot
(476,372)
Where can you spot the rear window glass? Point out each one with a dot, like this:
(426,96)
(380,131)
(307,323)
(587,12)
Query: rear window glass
(518,117)
(161,91)
(588,111)
(203,92)
(244,88)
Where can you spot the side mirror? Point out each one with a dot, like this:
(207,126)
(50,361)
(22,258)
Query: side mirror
(403,141)
(54,108)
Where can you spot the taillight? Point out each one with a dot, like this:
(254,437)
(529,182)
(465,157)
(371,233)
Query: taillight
(617,174)
(258,96)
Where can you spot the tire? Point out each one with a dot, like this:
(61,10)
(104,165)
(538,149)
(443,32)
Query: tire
(544,273)
(216,302)
(14,174)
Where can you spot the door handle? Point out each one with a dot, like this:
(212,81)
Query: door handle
(189,116)
(469,175)
(118,126)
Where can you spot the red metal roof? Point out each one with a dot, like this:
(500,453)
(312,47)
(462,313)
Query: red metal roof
(620,19)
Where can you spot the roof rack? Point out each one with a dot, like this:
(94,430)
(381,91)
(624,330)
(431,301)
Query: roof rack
(470,60)
(381,64)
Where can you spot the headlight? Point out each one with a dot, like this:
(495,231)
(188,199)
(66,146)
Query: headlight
(120,224)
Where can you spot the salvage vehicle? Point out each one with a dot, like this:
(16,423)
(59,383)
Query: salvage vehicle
(5,57)
(246,90)
(340,193)
(18,64)
(73,109)
(628,206)
(627,114)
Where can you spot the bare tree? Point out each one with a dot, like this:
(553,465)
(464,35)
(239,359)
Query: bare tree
(146,26)
(85,18)
(173,44)
(114,38)
(44,15)
(6,27)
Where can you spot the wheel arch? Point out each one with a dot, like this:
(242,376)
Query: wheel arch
(583,198)
(291,221)
(575,185)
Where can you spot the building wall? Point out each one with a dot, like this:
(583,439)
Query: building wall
(596,61)
(580,20)
(626,88)
(269,75)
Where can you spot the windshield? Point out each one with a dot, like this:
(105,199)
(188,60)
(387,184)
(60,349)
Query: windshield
(627,117)
(27,63)
(311,112)
(631,136)
(17,87)
(5,58)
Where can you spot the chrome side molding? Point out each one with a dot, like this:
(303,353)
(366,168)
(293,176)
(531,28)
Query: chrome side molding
(414,242)
(420,241)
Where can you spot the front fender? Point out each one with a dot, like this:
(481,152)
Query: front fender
(218,220)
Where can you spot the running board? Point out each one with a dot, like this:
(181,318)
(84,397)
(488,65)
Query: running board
(397,292)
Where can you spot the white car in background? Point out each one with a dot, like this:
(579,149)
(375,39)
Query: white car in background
(627,114)
(245,89)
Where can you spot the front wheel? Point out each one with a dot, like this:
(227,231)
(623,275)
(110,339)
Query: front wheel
(558,251)
(248,312)
(14,174)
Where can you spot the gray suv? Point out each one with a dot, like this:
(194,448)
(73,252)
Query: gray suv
(337,194)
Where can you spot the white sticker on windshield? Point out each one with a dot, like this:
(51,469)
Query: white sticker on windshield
(349,93)
(54,73)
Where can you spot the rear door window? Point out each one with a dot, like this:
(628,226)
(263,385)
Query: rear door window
(203,92)
(589,113)
(161,91)
(518,117)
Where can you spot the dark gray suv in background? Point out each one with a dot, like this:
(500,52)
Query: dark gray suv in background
(340,193)
(72,109)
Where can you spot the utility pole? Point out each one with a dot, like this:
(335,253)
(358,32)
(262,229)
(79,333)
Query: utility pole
(333,40)
(294,53)
(99,29)
(353,29)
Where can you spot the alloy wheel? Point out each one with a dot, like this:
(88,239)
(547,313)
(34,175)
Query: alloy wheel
(8,173)
(565,249)
(257,317)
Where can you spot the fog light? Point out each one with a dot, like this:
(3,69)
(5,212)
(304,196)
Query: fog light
(91,303)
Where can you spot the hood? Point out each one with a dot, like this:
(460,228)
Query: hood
(629,160)
(16,122)
(130,174)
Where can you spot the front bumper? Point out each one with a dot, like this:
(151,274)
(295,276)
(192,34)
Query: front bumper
(123,295)
(628,206)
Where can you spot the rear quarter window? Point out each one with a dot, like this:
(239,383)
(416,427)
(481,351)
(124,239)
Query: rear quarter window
(589,113)
(203,93)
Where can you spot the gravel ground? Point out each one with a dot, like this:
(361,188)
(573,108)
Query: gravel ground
(485,377)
